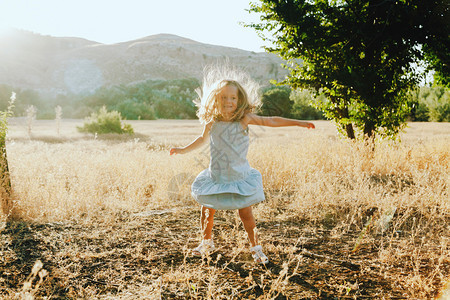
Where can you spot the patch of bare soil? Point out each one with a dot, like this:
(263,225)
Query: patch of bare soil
(147,257)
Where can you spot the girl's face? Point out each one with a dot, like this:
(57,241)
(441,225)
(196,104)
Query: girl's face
(229,97)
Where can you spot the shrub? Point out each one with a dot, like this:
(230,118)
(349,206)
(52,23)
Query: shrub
(438,101)
(302,108)
(105,122)
(31,116)
(430,104)
(275,102)
(132,109)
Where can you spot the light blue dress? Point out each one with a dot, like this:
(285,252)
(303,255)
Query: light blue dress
(229,182)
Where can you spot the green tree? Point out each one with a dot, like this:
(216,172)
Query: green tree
(434,20)
(170,99)
(437,101)
(419,110)
(276,102)
(430,104)
(359,53)
(302,108)
(133,109)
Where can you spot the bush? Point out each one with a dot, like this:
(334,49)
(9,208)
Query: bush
(438,101)
(275,102)
(302,108)
(152,99)
(419,111)
(105,122)
(430,104)
(132,109)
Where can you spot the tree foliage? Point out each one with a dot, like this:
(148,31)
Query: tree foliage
(276,102)
(152,99)
(285,102)
(303,108)
(361,54)
(435,21)
(430,104)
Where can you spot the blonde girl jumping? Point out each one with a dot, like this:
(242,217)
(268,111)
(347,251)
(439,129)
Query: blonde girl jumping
(226,110)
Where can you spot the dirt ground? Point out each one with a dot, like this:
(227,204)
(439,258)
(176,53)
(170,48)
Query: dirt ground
(326,250)
(146,256)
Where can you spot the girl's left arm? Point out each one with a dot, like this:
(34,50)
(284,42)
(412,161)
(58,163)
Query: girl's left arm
(274,121)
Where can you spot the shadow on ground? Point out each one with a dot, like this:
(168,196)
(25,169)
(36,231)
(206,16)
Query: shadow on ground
(150,253)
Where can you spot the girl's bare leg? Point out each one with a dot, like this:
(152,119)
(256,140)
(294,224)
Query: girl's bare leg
(246,215)
(207,222)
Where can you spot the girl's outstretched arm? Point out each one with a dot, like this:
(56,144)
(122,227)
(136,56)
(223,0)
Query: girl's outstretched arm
(274,121)
(195,144)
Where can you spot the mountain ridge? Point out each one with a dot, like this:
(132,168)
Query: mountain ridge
(53,65)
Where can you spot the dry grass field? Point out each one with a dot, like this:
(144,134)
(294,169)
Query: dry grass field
(111,217)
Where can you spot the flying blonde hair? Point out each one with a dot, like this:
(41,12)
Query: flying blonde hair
(215,78)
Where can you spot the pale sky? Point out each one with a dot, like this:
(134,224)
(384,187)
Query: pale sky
(112,21)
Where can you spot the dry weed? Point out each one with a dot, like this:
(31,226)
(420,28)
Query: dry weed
(112,217)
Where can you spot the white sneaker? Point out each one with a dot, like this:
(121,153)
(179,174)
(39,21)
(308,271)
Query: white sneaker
(258,255)
(205,247)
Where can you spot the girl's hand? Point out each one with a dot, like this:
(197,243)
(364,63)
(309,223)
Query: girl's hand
(175,151)
(310,125)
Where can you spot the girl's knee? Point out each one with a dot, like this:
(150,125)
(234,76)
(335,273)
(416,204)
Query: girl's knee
(246,214)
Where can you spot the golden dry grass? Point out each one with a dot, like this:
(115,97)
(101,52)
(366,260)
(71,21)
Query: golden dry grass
(111,217)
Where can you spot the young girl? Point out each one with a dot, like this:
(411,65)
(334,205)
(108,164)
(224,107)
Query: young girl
(229,183)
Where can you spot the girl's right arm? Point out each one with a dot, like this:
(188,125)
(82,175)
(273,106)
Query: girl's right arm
(196,143)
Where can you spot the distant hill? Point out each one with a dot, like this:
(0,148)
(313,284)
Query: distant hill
(54,65)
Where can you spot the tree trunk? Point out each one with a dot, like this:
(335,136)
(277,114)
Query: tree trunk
(369,136)
(5,182)
(350,131)
(347,127)
(369,129)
